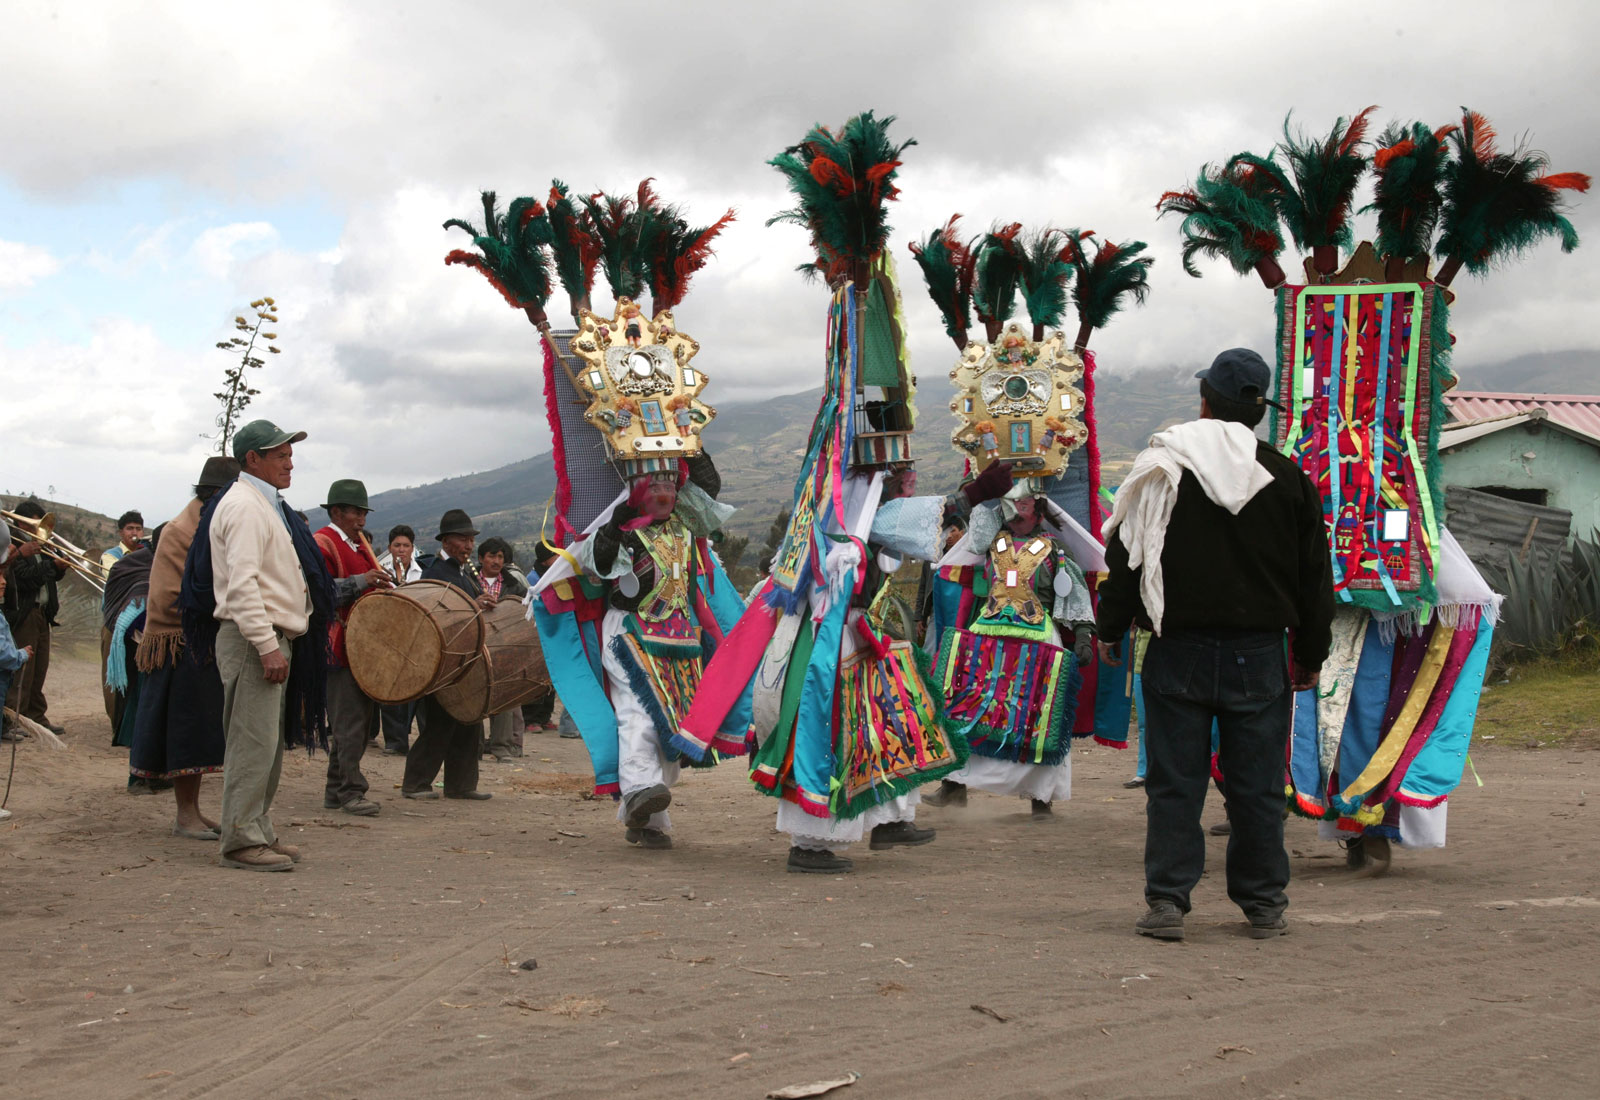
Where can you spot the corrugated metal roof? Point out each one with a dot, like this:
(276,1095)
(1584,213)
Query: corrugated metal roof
(1491,528)
(1581,411)
(1465,431)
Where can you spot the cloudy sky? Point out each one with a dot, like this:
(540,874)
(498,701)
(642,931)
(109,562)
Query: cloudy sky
(165,163)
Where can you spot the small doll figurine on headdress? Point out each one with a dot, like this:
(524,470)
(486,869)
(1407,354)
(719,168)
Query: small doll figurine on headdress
(1013,349)
(622,419)
(632,325)
(986,438)
(1048,440)
(682,414)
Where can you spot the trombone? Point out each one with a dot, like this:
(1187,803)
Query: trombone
(43,531)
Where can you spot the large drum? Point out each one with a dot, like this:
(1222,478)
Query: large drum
(406,642)
(510,670)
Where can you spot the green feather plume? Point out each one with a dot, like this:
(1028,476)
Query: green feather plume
(1315,194)
(512,252)
(1042,275)
(622,229)
(1107,279)
(1228,213)
(999,275)
(947,265)
(840,183)
(1498,204)
(573,241)
(1410,164)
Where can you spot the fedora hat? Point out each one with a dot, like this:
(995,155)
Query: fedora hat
(349,492)
(217,472)
(455,522)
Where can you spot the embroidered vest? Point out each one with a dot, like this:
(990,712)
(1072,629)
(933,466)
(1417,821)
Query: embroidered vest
(665,614)
(1013,605)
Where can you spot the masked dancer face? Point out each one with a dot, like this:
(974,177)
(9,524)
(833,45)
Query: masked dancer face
(658,496)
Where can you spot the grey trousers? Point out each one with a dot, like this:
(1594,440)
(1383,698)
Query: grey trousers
(350,716)
(252,721)
(505,731)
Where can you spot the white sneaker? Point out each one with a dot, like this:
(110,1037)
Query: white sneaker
(5,815)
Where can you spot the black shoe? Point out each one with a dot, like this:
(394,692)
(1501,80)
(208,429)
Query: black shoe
(1375,857)
(426,792)
(1268,928)
(331,803)
(899,833)
(807,861)
(948,794)
(51,726)
(571,735)
(639,805)
(648,838)
(1164,921)
(390,750)
(1221,828)
(1134,783)
(472,796)
(1355,853)
(1042,811)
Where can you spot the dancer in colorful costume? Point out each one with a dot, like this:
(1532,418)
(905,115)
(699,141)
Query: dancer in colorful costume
(1012,613)
(986,275)
(847,720)
(635,600)
(1363,361)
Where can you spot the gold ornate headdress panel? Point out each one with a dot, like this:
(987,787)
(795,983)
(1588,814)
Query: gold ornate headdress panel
(643,389)
(1019,401)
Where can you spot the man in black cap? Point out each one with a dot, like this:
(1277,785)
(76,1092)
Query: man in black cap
(443,741)
(1220,549)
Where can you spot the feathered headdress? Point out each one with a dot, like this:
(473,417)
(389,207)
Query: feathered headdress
(1410,164)
(1105,280)
(948,269)
(674,250)
(999,274)
(841,183)
(573,240)
(1499,203)
(1229,213)
(1315,203)
(511,254)
(620,227)
(1042,276)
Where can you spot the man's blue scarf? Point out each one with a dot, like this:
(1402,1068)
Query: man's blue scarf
(306,718)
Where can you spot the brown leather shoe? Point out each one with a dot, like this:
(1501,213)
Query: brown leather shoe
(290,850)
(258,857)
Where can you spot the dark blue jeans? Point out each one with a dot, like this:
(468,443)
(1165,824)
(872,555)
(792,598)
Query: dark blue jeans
(1240,679)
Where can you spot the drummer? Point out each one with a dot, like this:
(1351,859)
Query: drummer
(347,552)
(442,741)
(494,556)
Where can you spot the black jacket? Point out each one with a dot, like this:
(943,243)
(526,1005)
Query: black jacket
(445,568)
(1268,568)
(30,583)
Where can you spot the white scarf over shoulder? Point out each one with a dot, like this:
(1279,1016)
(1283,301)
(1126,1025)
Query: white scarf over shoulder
(1221,455)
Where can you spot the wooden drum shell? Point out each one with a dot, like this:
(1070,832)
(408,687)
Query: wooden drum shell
(406,642)
(510,669)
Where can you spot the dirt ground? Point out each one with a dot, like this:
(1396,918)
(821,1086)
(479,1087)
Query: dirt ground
(999,961)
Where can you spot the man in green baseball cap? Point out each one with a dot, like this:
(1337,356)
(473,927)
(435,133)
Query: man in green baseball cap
(352,714)
(261,436)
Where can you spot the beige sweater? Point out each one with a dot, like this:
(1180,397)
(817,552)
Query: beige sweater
(254,571)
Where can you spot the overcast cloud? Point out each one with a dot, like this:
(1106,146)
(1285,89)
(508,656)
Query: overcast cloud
(168,162)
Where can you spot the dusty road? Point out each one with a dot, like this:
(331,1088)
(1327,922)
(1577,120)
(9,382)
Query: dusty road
(385,965)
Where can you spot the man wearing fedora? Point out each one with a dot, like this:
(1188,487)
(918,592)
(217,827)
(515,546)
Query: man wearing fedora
(351,714)
(443,741)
